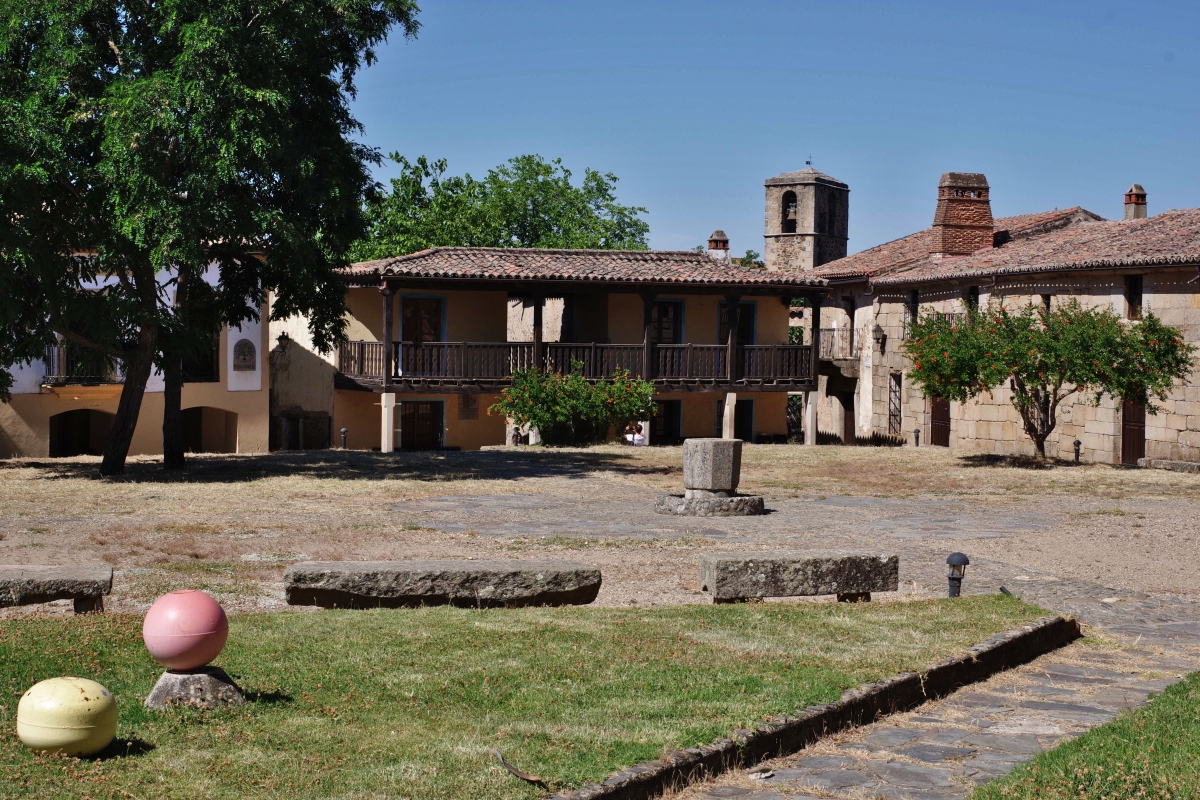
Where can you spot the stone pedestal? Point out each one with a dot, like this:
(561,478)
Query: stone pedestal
(714,465)
(711,471)
(206,687)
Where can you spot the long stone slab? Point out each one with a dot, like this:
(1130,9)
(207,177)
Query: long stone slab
(739,576)
(23,584)
(470,584)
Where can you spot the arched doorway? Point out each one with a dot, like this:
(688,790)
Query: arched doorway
(209,430)
(81,432)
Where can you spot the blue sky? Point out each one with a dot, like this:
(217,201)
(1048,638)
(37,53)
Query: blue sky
(694,104)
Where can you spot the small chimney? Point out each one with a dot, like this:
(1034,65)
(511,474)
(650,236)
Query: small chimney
(718,246)
(962,223)
(1135,202)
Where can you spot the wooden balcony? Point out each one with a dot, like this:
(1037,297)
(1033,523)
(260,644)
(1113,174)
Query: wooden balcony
(838,344)
(490,365)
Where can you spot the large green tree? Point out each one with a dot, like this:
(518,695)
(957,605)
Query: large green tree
(1045,357)
(526,202)
(144,143)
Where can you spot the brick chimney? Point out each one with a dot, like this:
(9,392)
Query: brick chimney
(1135,202)
(718,246)
(962,223)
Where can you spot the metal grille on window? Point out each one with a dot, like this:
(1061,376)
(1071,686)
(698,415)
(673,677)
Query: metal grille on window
(894,404)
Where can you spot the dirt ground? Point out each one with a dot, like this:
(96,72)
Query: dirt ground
(232,524)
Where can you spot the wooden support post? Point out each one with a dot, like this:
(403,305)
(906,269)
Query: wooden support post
(814,303)
(734,313)
(388,305)
(647,336)
(539,360)
(810,400)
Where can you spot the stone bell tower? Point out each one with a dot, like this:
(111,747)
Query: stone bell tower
(807,220)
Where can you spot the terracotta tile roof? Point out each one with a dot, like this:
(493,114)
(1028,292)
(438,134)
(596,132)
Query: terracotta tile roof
(901,254)
(1171,238)
(686,267)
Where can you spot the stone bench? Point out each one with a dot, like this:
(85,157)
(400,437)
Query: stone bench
(22,585)
(469,584)
(730,577)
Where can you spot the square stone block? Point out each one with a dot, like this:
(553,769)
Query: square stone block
(712,464)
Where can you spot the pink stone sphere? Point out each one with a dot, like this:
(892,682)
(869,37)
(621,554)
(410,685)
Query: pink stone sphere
(185,629)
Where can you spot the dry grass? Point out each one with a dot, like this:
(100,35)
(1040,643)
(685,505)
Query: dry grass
(262,512)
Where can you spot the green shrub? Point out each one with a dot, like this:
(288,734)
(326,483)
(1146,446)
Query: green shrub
(570,409)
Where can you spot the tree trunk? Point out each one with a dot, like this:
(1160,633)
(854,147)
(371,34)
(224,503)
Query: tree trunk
(173,457)
(137,373)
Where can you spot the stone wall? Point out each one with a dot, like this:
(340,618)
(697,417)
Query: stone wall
(989,423)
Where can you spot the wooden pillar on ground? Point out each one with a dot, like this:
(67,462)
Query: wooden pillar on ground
(648,336)
(810,399)
(388,307)
(539,360)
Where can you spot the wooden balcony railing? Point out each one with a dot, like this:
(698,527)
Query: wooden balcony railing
(495,362)
(68,364)
(691,361)
(599,360)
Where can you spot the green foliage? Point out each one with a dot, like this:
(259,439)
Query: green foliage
(570,409)
(526,202)
(1153,752)
(163,138)
(752,260)
(1045,357)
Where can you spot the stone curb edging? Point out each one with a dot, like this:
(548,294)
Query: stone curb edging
(1176,466)
(856,707)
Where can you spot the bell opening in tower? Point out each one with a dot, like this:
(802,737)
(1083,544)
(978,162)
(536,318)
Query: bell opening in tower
(789,213)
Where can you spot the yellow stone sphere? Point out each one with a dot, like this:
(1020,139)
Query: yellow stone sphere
(70,715)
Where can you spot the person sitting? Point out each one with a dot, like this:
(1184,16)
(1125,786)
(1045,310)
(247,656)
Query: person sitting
(630,432)
(639,439)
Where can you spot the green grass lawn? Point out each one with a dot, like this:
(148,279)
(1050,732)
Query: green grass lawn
(1152,752)
(407,703)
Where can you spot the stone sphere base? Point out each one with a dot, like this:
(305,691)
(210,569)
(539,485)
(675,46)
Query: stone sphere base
(206,687)
(741,505)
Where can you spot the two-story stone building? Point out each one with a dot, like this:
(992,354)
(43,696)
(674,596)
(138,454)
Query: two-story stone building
(436,335)
(966,257)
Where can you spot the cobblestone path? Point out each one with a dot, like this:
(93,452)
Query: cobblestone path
(942,750)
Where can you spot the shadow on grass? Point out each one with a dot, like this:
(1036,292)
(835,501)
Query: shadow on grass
(1017,462)
(123,747)
(534,462)
(269,698)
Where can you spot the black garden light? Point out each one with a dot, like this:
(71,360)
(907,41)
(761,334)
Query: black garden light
(343,438)
(916,437)
(958,568)
(1078,444)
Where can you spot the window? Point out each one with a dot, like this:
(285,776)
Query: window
(972,297)
(1133,296)
(894,420)
(1046,298)
(666,322)
(788,213)
(421,320)
(914,305)
(745,332)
